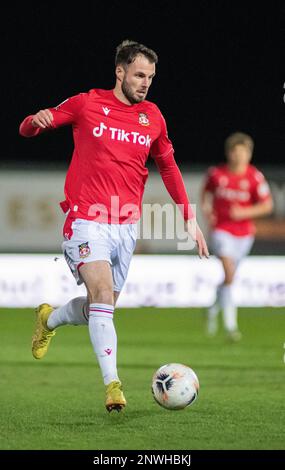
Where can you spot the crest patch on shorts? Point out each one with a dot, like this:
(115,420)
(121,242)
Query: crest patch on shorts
(84,250)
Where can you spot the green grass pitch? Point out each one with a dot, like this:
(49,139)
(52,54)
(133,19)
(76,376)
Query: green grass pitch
(58,402)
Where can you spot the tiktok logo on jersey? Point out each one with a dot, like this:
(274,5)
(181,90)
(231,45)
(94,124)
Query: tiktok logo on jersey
(121,135)
(98,131)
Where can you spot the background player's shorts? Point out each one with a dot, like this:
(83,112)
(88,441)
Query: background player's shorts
(93,241)
(223,243)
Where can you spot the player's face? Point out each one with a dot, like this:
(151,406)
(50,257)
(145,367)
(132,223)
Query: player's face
(137,79)
(239,155)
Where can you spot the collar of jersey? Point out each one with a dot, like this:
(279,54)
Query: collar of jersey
(131,107)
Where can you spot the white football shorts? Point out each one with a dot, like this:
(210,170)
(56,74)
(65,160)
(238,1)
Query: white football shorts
(223,243)
(94,241)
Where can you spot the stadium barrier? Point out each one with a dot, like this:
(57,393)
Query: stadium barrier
(153,280)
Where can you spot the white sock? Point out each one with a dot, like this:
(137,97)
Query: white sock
(212,321)
(104,339)
(214,309)
(212,318)
(228,307)
(73,313)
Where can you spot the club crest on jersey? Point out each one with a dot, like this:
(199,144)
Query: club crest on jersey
(84,250)
(143,119)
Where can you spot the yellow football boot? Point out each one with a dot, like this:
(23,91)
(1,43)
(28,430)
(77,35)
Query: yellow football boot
(115,399)
(42,335)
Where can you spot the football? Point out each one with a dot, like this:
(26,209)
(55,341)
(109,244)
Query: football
(175,386)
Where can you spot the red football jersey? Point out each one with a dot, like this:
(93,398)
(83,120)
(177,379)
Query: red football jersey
(231,189)
(112,140)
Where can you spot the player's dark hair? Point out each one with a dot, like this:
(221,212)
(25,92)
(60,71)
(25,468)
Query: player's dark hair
(238,138)
(127,51)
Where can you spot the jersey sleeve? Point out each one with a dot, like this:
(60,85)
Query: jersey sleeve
(174,183)
(162,145)
(68,111)
(64,114)
(260,188)
(163,154)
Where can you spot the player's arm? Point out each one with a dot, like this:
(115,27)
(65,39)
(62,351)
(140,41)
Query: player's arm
(252,212)
(163,154)
(35,124)
(62,115)
(206,203)
(263,203)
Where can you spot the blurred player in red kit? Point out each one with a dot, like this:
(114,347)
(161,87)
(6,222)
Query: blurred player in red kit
(114,132)
(233,194)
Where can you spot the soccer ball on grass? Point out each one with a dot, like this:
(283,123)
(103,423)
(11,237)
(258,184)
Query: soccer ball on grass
(175,386)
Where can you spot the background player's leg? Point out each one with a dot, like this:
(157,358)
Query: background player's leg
(212,316)
(226,296)
(75,312)
(222,245)
(97,277)
(218,240)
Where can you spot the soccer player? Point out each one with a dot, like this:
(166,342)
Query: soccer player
(114,132)
(233,194)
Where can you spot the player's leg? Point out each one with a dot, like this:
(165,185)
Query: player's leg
(98,280)
(76,248)
(212,317)
(121,258)
(75,312)
(241,246)
(97,277)
(221,245)
(226,300)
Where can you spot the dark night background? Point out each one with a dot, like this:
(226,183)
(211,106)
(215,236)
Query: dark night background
(220,69)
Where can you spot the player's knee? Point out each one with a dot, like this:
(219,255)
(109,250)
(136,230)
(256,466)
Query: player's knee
(102,294)
(229,270)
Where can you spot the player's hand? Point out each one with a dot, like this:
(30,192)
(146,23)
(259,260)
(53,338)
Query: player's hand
(42,119)
(238,212)
(196,233)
